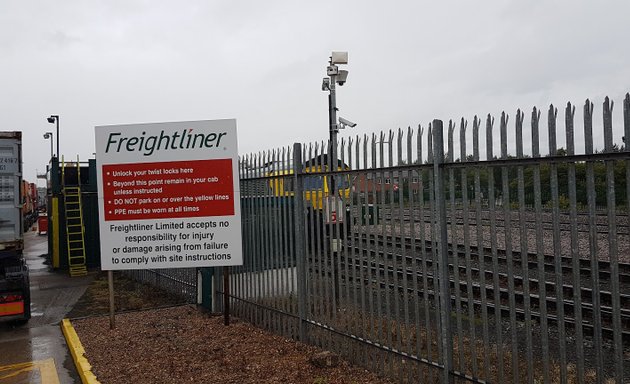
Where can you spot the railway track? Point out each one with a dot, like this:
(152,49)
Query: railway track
(582,225)
(390,260)
(414,247)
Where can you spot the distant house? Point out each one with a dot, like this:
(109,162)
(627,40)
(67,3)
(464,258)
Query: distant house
(371,183)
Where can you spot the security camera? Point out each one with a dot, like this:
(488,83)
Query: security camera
(348,123)
(342,77)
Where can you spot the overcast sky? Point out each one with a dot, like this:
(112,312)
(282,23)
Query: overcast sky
(262,62)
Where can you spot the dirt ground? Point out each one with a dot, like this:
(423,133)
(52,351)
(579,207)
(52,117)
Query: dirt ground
(184,344)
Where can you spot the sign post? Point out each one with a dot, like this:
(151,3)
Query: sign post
(112,309)
(168,195)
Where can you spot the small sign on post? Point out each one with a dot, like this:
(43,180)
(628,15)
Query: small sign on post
(168,195)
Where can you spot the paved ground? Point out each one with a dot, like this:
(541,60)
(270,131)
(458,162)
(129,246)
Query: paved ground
(37,352)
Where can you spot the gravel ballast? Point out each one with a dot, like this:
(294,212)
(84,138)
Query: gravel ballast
(184,345)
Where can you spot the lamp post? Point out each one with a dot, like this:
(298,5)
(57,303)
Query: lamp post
(49,135)
(55,119)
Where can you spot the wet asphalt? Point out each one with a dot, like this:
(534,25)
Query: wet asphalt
(41,341)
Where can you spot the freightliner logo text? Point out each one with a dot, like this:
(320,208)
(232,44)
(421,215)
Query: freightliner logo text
(147,144)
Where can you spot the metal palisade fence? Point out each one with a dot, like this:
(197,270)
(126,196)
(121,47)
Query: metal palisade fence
(180,282)
(489,261)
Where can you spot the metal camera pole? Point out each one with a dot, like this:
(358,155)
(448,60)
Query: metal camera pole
(332,121)
(335,75)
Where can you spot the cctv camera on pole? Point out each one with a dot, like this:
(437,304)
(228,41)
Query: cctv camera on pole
(334,207)
(335,76)
(346,123)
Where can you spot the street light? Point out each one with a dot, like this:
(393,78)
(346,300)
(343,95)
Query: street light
(55,119)
(49,135)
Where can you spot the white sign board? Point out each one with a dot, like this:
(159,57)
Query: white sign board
(168,195)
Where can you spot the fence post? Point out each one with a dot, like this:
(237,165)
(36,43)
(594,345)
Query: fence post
(217,281)
(446,333)
(300,244)
(206,288)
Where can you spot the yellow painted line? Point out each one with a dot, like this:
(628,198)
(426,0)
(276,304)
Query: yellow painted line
(78,353)
(8,371)
(47,370)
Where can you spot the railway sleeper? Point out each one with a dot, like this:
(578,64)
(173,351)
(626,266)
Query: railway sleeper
(520,313)
(532,258)
(568,290)
(606,313)
(533,266)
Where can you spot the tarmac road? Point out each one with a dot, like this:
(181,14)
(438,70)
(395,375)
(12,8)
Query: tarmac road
(37,352)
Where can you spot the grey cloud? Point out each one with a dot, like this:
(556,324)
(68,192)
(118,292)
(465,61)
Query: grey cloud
(108,62)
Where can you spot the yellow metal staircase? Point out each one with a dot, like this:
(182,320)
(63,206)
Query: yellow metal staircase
(75,231)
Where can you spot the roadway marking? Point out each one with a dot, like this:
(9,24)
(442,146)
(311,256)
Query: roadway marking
(46,368)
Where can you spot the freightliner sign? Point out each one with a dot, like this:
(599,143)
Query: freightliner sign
(169,195)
